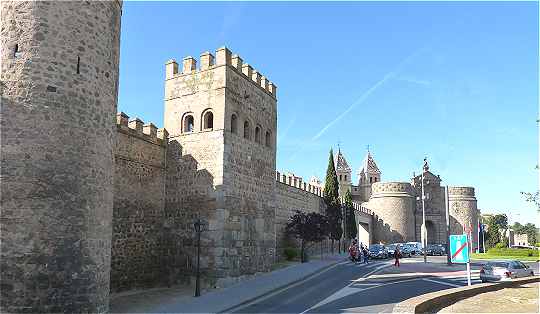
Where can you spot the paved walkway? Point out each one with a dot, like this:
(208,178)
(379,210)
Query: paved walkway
(521,299)
(180,299)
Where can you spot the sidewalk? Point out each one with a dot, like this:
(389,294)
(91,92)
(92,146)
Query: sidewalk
(181,300)
(521,299)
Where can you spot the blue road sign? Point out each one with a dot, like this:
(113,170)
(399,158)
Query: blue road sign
(459,248)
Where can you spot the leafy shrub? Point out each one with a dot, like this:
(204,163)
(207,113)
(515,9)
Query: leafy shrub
(290,253)
(500,245)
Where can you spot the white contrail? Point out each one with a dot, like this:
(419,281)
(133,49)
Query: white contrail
(356,103)
(360,100)
(366,94)
(413,80)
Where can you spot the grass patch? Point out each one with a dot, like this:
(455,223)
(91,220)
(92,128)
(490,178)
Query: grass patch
(503,257)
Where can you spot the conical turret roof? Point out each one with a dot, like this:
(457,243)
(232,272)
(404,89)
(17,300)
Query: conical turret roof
(341,163)
(369,166)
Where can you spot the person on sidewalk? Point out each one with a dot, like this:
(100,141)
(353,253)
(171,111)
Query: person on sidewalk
(366,254)
(397,255)
(352,254)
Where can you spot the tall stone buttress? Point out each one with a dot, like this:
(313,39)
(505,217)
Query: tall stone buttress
(59,96)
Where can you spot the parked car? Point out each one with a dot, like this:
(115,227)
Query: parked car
(507,270)
(435,249)
(378,251)
(405,251)
(391,249)
(412,248)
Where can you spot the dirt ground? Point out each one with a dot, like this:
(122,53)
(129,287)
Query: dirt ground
(521,299)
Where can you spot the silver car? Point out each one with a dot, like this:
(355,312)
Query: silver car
(505,270)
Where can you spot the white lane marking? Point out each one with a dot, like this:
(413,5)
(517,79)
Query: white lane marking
(366,276)
(257,300)
(348,290)
(441,282)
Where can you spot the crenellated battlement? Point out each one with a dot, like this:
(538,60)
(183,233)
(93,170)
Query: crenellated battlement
(223,57)
(136,127)
(299,183)
(361,208)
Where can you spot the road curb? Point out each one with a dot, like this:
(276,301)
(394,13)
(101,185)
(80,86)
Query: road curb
(433,302)
(307,276)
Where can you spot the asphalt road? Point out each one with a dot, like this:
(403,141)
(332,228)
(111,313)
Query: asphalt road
(349,288)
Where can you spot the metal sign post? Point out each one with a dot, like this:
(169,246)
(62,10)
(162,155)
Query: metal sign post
(446,203)
(459,252)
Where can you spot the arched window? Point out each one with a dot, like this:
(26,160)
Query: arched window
(247,131)
(370,179)
(340,177)
(257,134)
(268,139)
(208,120)
(189,123)
(234,124)
(345,177)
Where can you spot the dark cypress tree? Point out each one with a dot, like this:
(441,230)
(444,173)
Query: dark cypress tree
(351,228)
(331,198)
(331,187)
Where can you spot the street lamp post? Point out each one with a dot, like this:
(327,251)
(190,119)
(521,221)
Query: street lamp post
(198,227)
(424,233)
(424,227)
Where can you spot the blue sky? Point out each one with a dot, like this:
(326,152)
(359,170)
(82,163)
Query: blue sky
(456,81)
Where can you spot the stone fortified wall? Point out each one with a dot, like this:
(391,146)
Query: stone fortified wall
(292,193)
(59,90)
(140,253)
(392,204)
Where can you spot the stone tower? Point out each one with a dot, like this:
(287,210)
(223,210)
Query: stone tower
(393,207)
(343,172)
(222,120)
(434,204)
(463,211)
(59,94)
(368,174)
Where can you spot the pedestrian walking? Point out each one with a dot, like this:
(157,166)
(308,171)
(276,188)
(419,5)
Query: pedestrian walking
(397,255)
(366,255)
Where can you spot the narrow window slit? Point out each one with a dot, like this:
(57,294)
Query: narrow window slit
(78,65)
(16,52)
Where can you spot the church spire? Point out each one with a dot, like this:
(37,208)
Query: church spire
(369,172)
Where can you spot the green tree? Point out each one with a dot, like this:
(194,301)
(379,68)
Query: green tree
(331,199)
(308,228)
(331,187)
(496,224)
(350,218)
